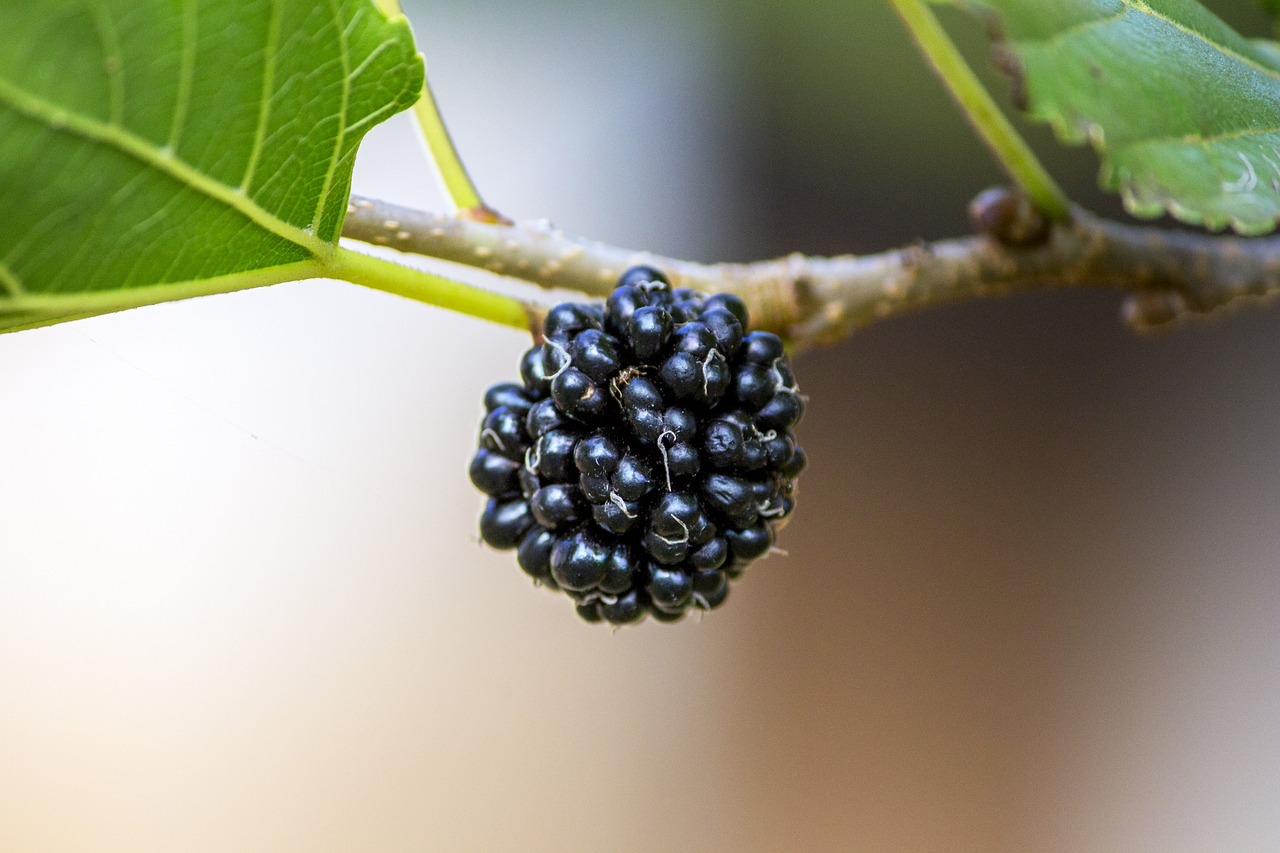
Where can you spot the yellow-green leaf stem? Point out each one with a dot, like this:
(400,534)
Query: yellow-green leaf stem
(981,110)
(455,181)
(390,277)
(452,174)
(28,311)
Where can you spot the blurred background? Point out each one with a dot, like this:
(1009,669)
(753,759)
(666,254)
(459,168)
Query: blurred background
(1032,594)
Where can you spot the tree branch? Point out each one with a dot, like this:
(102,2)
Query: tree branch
(812,300)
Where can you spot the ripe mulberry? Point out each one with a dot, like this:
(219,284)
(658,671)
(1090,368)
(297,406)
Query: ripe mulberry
(646,456)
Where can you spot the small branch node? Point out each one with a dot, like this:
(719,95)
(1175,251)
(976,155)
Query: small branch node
(1008,217)
(1147,311)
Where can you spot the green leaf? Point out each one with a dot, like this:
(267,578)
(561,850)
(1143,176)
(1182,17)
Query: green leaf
(1184,110)
(158,149)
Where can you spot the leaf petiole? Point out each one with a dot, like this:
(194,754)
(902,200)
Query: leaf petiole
(33,310)
(981,110)
(457,184)
(390,277)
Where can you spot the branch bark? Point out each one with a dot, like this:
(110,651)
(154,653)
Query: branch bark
(810,300)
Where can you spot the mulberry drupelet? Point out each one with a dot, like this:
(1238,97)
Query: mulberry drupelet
(647,456)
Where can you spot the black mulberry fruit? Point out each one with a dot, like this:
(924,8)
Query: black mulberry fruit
(647,455)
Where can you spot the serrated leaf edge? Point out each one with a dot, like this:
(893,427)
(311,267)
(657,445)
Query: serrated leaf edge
(1083,130)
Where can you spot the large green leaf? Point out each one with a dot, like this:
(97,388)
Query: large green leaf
(154,149)
(1184,110)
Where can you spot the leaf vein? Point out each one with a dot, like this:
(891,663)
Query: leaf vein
(374,117)
(186,73)
(369,60)
(101,217)
(1084,26)
(1203,139)
(35,235)
(127,143)
(102,302)
(1136,6)
(10,281)
(268,89)
(344,55)
(112,62)
(1247,60)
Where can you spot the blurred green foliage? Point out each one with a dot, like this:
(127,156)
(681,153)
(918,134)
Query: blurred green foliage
(860,145)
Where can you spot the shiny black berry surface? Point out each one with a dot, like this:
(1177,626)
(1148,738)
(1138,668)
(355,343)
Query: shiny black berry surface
(647,455)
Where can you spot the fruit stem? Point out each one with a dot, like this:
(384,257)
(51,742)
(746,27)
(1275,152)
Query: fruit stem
(981,110)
